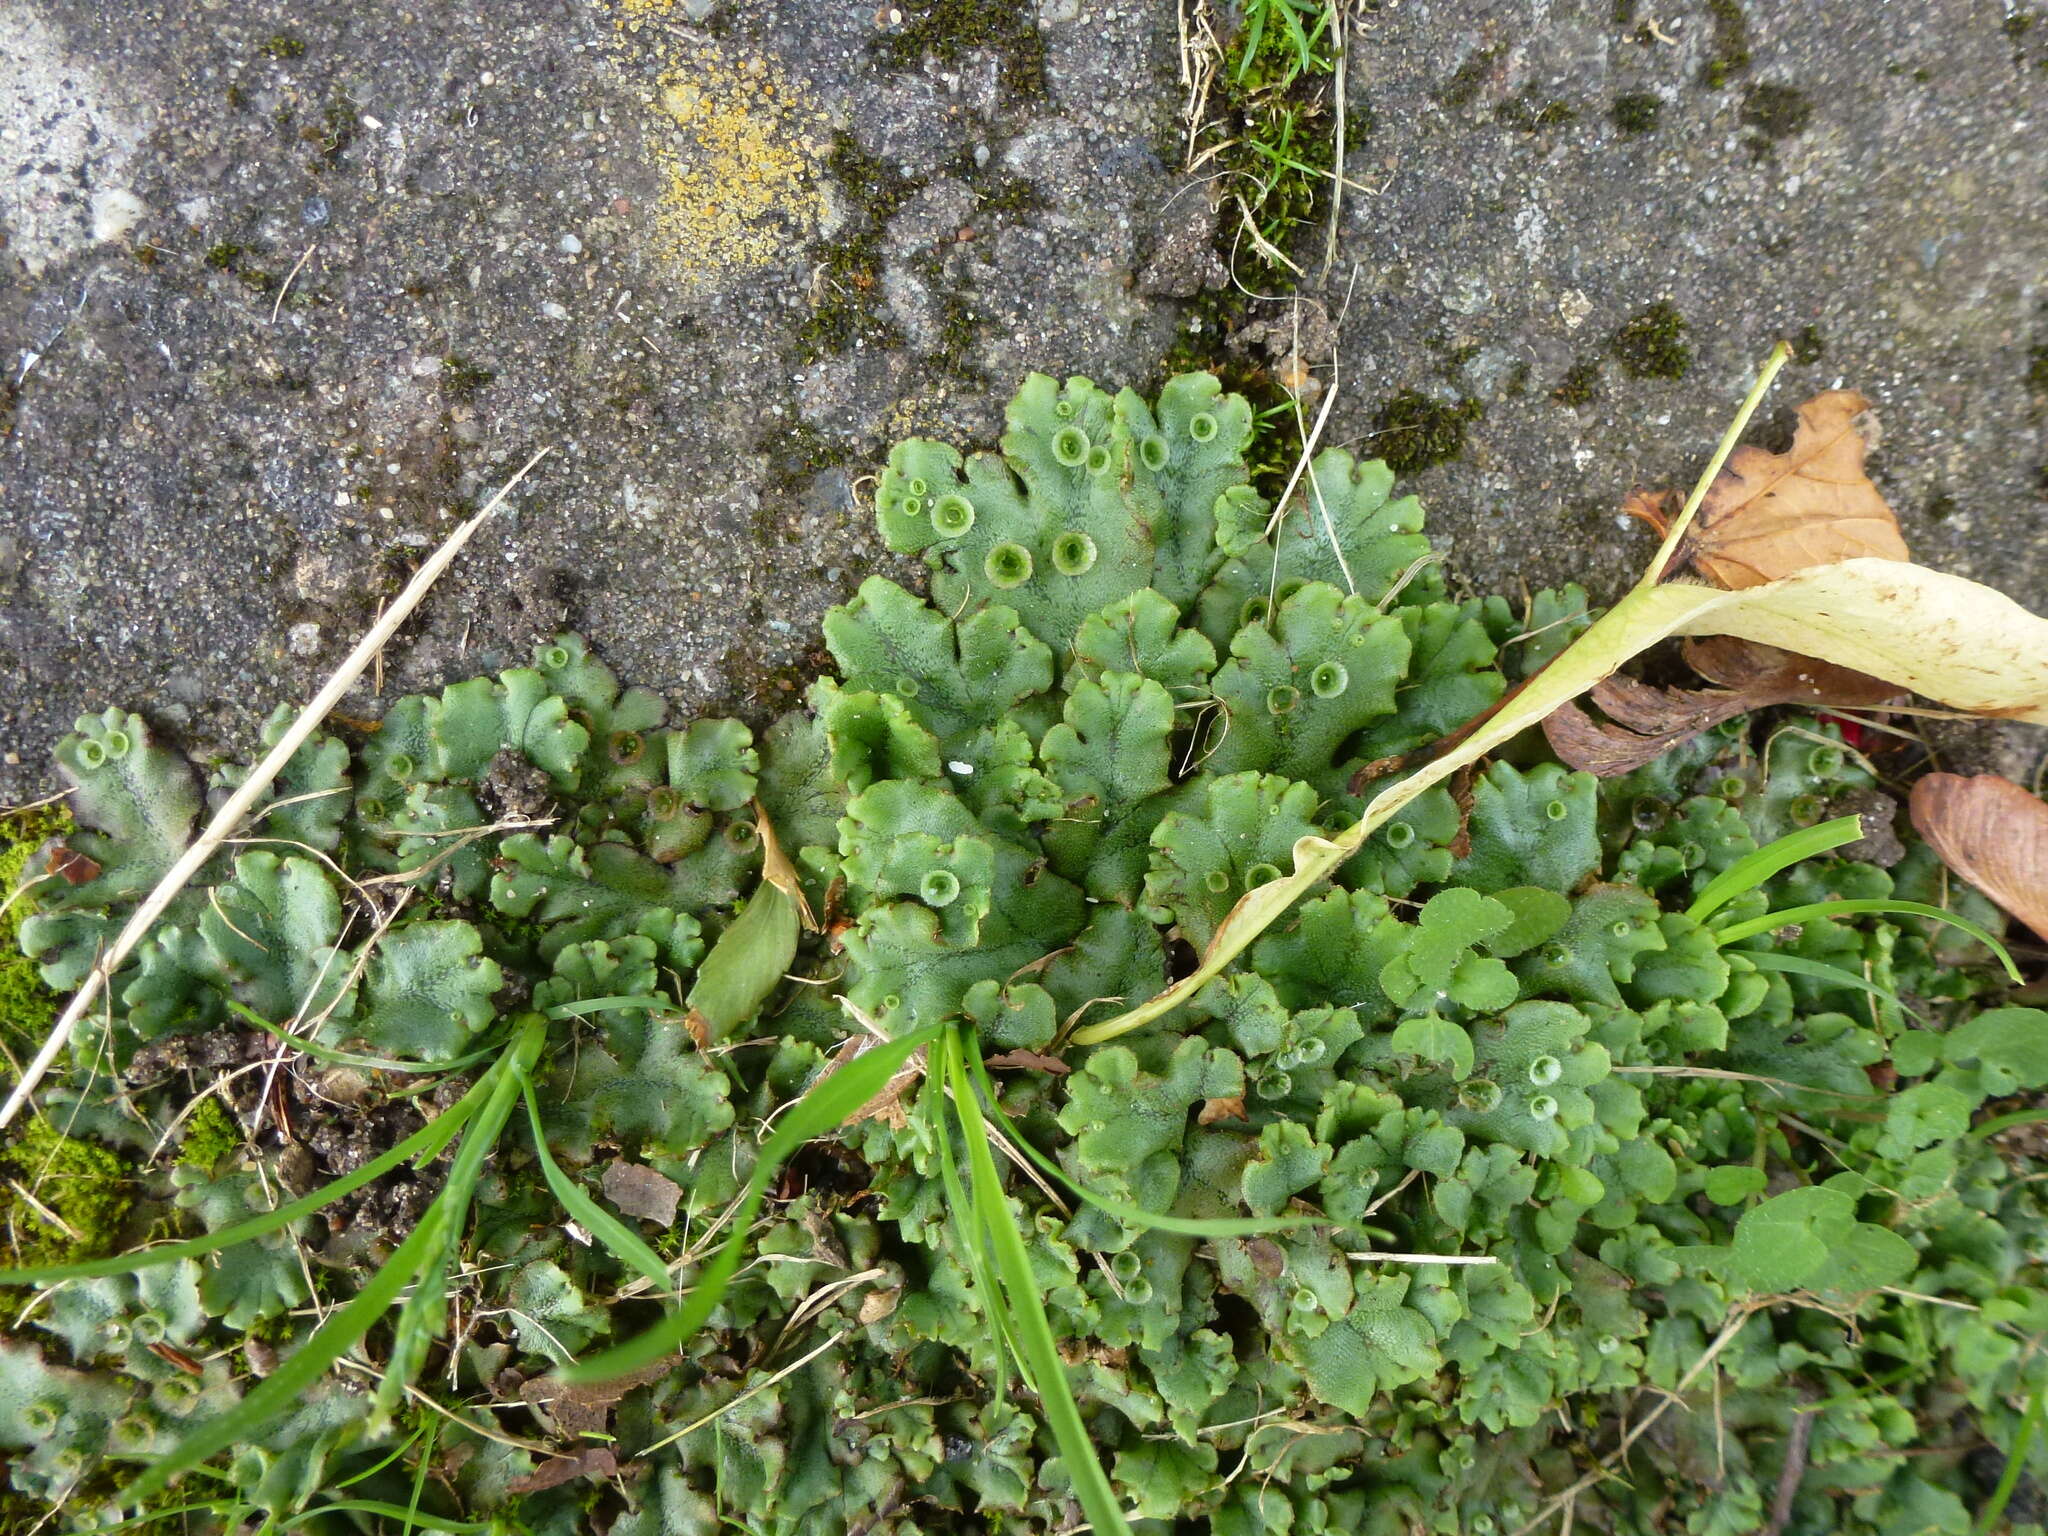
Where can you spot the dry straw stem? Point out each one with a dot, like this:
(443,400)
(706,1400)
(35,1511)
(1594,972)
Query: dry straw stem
(228,820)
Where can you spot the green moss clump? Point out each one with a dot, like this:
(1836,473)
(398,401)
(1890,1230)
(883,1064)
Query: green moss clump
(209,1135)
(2037,371)
(1462,88)
(1730,53)
(1778,111)
(282,45)
(1808,346)
(1579,385)
(1416,430)
(947,30)
(1010,194)
(1636,111)
(850,275)
(83,1185)
(222,255)
(462,378)
(27,1007)
(1652,344)
(1530,111)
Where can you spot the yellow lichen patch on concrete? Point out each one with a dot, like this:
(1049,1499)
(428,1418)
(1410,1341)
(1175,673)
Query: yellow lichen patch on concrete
(738,153)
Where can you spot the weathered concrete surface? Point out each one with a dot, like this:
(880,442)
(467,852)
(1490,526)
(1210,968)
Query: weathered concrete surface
(595,226)
(1903,227)
(717,254)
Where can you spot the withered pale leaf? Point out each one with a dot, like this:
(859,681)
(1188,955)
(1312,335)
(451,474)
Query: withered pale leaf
(1994,834)
(640,1191)
(1770,514)
(1213,1110)
(1964,645)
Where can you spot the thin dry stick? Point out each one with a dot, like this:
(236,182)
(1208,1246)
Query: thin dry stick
(1336,151)
(1636,1431)
(228,820)
(300,266)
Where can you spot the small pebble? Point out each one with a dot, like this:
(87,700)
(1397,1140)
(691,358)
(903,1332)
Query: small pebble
(303,639)
(569,245)
(315,212)
(554,311)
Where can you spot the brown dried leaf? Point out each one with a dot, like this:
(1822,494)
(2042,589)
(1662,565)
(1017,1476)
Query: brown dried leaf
(71,866)
(1770,514)
(887,1105)
(1221,1109)
(595,1462)
(1035,1061)
(580,1410)
(640,1191)
(1992,833)
(1644,722)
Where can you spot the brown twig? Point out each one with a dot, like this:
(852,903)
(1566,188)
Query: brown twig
(1791,1474)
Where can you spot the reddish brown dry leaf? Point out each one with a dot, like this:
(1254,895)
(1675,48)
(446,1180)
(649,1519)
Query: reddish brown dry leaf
(1221,1109)
(1656,508)
(586,1409)
(71,866)
(640,1191)
(1992,833)
(1036,1061)
(887,1105)
(1644,722)
(1770,514)
(595,1462)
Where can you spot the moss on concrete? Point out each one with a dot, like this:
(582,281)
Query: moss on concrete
(1635,111)
(1652,344)
(1777,111)
(948,30)
(1729,53)
(1415,430)
(1579,385)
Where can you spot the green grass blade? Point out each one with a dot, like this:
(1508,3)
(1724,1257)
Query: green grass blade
(940,1127)
(221,1507)
(425,1144)
(1754,869)
(279,1392)
(1028,1320)
(436,1232)
(1189,1226)
(420,1319)
(1999,1123)
(831,1102)
(589,1005)
(388,1512)
(625,1244)
(1848,908)
(2015,1464)
(389,1457)
(338,1058)
(1255,30)
(1820,970)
